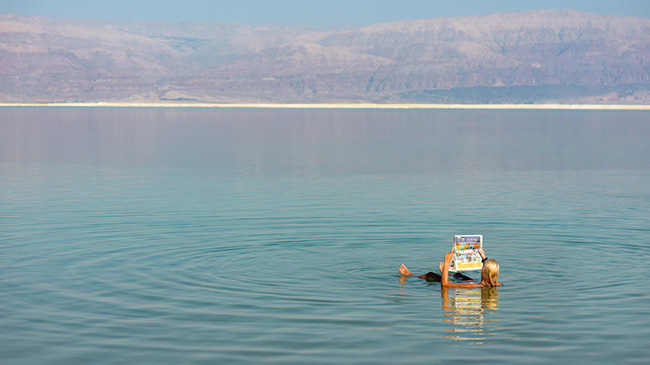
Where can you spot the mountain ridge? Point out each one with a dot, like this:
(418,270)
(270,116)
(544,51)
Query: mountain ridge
(53,60)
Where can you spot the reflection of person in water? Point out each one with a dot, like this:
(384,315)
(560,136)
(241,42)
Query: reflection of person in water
(489,273)
(470,310)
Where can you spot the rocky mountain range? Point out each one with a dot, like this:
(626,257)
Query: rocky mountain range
(519,57)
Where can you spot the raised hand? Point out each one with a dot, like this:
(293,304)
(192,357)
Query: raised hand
(448,256)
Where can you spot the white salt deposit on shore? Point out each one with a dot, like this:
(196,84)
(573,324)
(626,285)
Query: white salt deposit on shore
(338,106)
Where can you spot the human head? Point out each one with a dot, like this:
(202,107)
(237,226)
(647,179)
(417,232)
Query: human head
(490,272)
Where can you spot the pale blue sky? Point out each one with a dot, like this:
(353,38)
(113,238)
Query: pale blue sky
(314,13)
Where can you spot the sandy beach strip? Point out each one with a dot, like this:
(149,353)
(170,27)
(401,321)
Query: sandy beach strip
(333,106)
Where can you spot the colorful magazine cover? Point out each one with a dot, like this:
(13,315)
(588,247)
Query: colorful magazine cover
(466,256)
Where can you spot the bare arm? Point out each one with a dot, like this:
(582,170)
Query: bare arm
(445,275)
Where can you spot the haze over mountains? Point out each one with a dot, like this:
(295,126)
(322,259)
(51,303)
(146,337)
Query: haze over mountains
(518,57)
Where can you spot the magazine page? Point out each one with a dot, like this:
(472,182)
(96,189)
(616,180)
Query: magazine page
(466,256)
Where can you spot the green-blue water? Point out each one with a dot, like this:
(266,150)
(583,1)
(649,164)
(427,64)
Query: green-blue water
(252,236)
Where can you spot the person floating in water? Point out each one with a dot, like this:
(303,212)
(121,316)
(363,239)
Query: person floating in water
(489,273)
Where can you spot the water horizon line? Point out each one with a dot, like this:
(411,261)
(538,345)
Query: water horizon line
(554,106)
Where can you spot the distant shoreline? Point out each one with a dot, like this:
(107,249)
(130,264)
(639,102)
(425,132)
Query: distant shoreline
(334,106)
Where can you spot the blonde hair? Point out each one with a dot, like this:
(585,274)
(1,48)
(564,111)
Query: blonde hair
(490,272)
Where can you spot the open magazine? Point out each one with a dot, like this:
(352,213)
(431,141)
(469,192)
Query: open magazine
(465,253)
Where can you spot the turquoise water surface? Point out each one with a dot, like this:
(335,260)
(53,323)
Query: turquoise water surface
(253,236)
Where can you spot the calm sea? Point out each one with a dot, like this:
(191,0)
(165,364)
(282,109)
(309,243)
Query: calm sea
(254,236)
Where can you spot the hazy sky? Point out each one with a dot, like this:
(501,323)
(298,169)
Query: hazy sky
(315,13)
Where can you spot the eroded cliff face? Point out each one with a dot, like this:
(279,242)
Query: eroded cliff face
(583,54)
